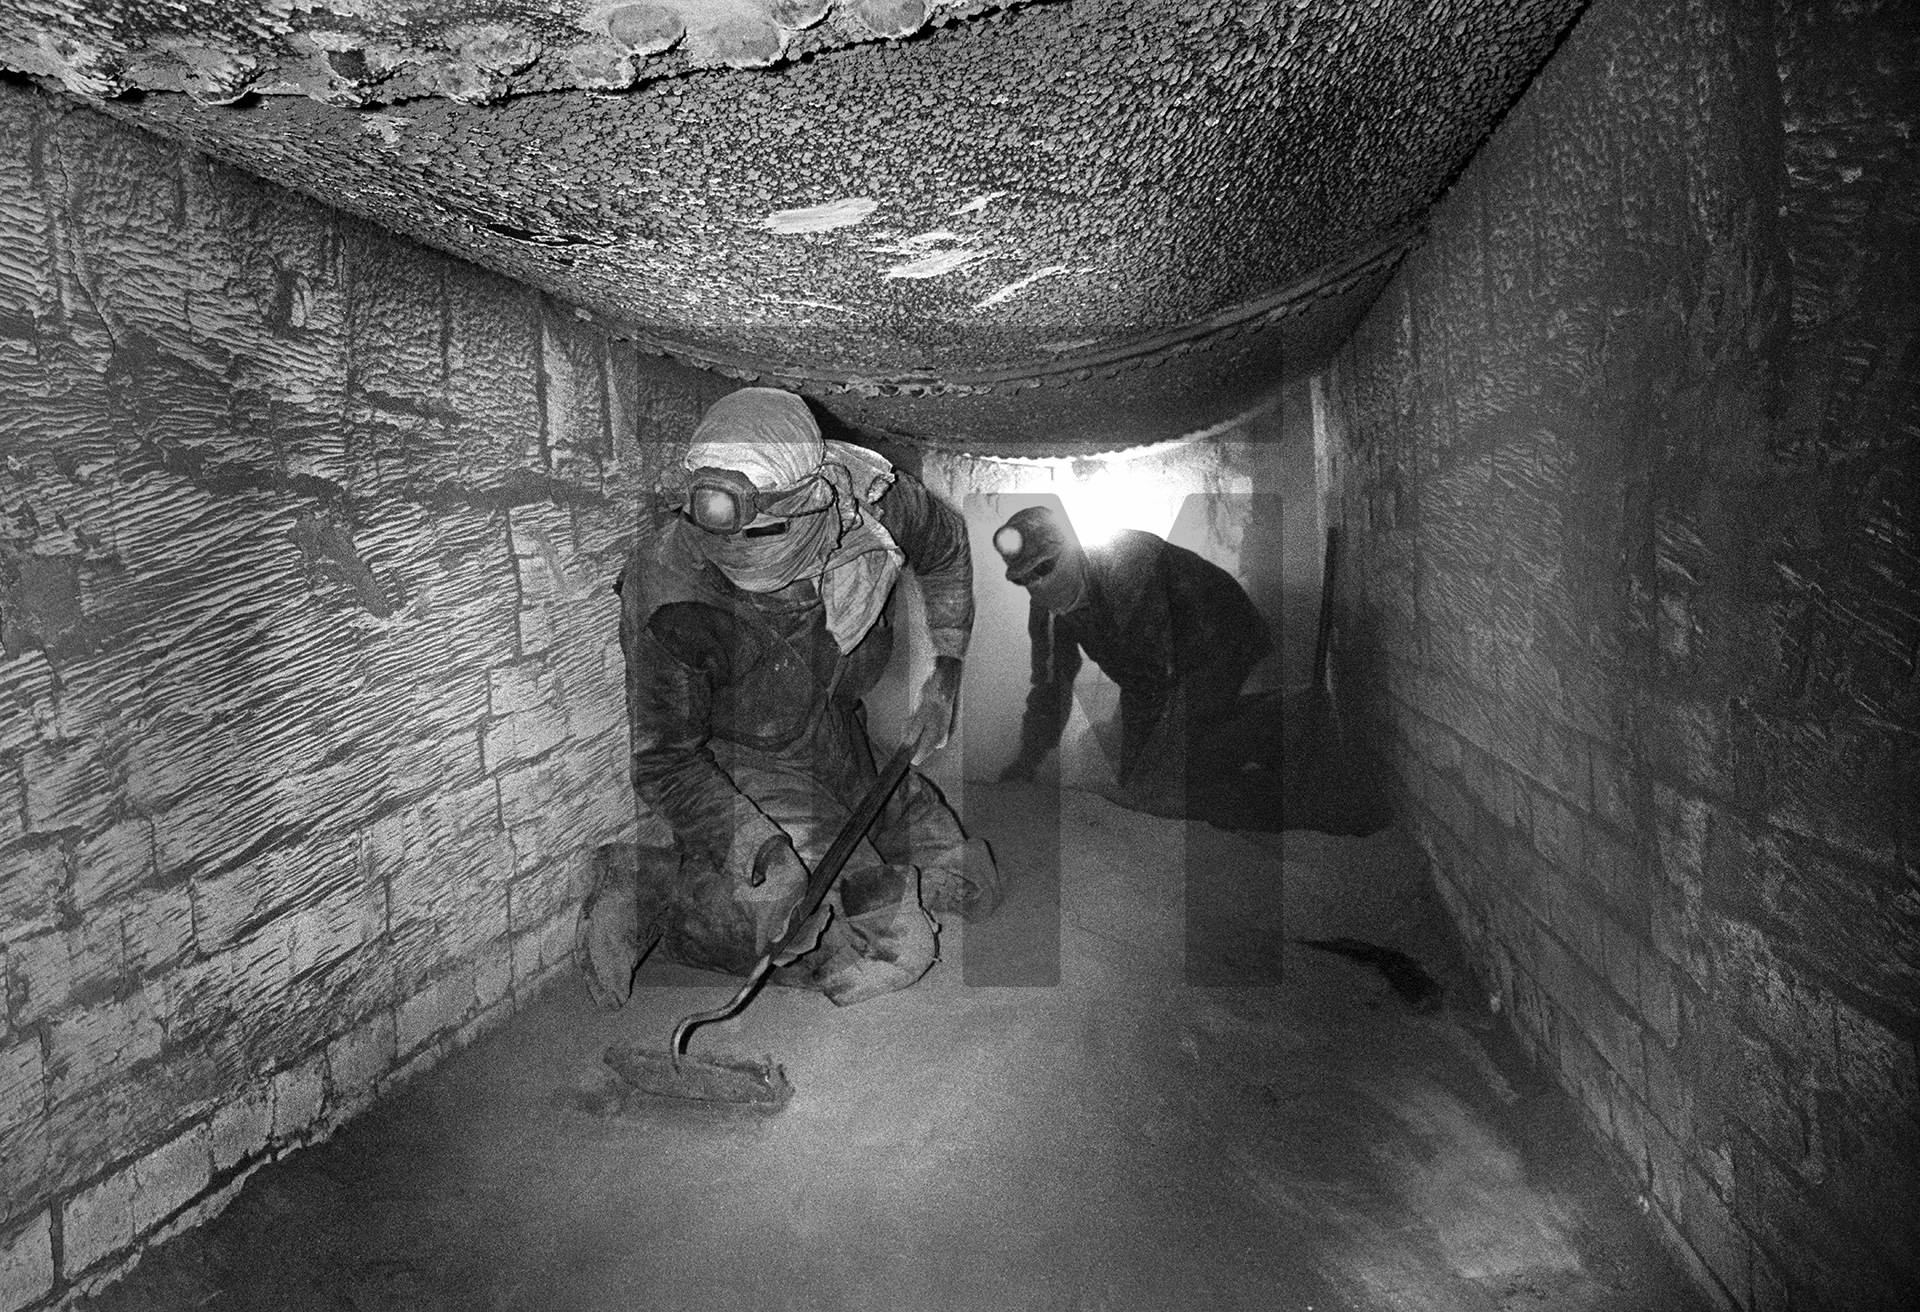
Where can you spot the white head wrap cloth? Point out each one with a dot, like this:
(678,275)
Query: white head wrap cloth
(770,436)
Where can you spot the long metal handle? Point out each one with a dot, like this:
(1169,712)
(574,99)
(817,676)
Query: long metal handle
(819,884)
(680,1032)
(823,877)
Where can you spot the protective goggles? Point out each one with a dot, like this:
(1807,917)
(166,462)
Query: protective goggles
(726,502)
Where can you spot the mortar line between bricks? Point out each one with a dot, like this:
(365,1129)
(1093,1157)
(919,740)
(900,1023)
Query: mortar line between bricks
(542,401)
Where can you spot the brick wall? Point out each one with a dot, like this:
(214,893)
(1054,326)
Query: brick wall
(1626,459)
(309,677)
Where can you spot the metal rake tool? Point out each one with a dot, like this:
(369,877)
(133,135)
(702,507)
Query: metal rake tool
(675,1073)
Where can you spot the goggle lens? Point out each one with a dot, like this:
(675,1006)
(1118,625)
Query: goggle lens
(716,510)
(724,502)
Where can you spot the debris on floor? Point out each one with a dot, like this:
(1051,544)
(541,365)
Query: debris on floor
(1406,976)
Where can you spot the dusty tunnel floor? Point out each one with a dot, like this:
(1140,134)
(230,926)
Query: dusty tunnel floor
(1123,1140)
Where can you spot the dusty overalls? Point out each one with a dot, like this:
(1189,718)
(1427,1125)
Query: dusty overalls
(748,727)
(1176,632)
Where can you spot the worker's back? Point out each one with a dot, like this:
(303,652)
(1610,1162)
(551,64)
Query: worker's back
(1154,609)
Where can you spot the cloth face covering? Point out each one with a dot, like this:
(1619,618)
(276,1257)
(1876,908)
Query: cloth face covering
(770,436)
(1064,587)
(767,564)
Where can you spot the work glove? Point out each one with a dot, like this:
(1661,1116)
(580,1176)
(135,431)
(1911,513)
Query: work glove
(776,863)
(932,719)
(776,866)
(768,877)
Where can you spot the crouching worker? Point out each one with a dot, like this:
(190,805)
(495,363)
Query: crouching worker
(1175,631)
(753,620)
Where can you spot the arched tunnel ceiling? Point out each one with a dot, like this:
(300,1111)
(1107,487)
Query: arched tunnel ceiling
(1038,222)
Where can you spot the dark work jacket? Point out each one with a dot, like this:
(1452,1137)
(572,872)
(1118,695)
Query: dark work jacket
(709,661)
(1154,617)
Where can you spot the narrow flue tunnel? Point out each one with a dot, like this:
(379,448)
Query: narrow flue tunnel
(1387,532)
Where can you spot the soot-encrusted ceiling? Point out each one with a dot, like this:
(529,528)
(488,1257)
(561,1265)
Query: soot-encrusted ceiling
(1061,218)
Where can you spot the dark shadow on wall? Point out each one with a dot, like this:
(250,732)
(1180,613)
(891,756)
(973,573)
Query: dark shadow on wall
(1321,772)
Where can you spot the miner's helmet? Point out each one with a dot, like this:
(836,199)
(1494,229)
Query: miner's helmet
(726,502)
(1032,542)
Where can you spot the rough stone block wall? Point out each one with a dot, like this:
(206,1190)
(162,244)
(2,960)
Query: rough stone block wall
(310,695)
(1626,461)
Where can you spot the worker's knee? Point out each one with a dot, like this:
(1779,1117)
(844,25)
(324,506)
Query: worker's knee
(619,917)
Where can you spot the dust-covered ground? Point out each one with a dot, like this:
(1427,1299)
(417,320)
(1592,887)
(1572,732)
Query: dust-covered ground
(1199,1114)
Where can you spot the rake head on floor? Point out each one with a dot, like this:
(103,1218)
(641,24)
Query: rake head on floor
(674,1074)
(702,1079)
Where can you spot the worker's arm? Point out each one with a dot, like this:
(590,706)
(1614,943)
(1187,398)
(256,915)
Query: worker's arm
(933,537)
(673,771)
(1056,662)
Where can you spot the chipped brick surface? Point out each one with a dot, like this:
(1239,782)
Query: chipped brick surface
(241,1128)
(97,1222)
(279,495)
(166,1179)
(358,1059)
(298,1093)
(1628,471)
(26,1262)
(434,1011)
(23,1121)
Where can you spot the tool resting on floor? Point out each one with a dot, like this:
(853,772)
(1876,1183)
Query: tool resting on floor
(674,1073)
